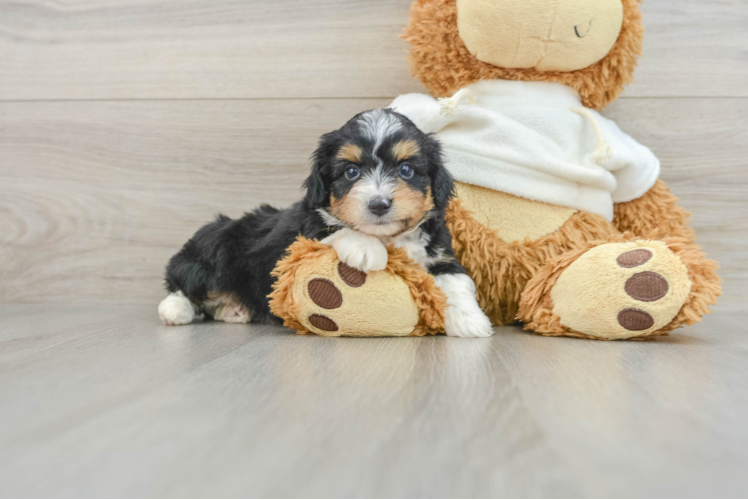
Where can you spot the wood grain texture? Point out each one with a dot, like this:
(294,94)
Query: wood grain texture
(124,126)
(96,196)
(187,49)
(194,49)
(217,410)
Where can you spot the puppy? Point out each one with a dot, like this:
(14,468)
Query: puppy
(378,180)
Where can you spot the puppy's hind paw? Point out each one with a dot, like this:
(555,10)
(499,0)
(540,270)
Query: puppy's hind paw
(176,309)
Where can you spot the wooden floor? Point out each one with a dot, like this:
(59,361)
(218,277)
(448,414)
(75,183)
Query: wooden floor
(106,402)
(126,125)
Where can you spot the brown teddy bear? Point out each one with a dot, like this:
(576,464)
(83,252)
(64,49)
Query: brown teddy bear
(560,217)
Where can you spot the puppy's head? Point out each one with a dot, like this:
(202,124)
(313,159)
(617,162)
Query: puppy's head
(379,174)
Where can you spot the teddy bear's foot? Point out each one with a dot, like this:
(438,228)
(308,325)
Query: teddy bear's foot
(620,290)
(317,293)
(337,302)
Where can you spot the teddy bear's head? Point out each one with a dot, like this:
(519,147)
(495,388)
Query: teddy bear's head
(589,45)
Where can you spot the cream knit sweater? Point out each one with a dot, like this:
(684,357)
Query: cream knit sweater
(537,141)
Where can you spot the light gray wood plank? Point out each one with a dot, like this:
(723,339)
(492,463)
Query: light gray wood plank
(172,49)
(96,196)
(693,48)
(192,49)
(102,194)
(120,406)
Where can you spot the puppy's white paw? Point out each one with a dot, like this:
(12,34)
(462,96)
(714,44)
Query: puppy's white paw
(361,251)
(176,309)
(464,317)
(467,323)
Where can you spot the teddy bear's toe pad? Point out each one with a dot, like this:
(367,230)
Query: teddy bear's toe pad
(325,294)
(621,290)
(635,319)
(634,258)
(351,276)
(323,323)
(646,286)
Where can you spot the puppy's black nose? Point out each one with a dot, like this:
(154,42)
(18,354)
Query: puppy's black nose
(379,205)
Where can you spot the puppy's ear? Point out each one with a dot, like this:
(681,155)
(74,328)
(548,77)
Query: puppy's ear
(317,184)
(442,183)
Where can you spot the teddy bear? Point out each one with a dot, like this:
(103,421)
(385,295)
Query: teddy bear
(559,217)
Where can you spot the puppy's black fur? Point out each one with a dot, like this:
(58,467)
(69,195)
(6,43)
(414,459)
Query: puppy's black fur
(237,256)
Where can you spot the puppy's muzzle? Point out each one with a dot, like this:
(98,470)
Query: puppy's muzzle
(379,205)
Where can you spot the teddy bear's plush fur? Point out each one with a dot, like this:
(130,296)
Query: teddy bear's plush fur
(557,269)
(519,286)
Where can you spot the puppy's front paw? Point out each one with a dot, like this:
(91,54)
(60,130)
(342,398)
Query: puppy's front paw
(360,251)
(463,317)
(467,322)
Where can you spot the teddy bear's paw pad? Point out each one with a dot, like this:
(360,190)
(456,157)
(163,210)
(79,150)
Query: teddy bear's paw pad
(634,258)
(635,319)
(323,323)
(647,286)
(336,299)
(351,276)
(325,294)
(621,290)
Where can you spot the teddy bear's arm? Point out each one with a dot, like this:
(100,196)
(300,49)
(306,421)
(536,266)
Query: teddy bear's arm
(657,209)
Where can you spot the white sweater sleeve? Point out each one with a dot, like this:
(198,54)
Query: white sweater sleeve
(423,110)
(634,166)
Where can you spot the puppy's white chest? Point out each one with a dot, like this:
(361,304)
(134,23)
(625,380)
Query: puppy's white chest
(415,244)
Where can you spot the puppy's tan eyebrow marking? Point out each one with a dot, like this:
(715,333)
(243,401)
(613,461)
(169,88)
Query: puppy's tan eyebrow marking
(405,149)
(350,152)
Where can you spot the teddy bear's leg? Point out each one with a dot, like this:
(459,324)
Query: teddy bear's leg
(317,293)
(656,212)
(502,259)
(622,288)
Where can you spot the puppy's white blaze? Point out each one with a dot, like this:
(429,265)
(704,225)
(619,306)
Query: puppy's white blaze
(464,317)
(374,183)
(176,309)
(377,125)
(415,243)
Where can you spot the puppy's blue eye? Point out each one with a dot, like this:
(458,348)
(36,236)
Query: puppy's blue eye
(406,171)
(352,173)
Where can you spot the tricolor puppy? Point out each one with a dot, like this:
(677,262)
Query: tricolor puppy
(376,181)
